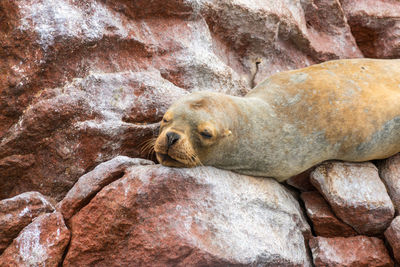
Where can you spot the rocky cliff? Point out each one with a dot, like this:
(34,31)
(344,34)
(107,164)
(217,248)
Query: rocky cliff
(83,85)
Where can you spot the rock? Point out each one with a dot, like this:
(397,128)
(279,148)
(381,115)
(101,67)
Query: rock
(91,183)
(83,83)
(156,215)
(350,251)
(356,194)
(375,25)
(389,171)
(95,84)
(18,212)
(392,235)
(41,243)
(301,181)
(324,221)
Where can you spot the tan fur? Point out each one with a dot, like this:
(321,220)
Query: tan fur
(344,109)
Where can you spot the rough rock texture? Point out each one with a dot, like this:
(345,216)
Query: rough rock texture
(91,183)
(158,216)
(83,82)
(350,252)
(324,221)
(389,171)
(376,26)
(356,194)
(41,243)
(18,212)
(392,235)
(302,181)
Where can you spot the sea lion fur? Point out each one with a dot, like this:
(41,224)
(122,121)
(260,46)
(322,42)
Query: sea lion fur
(344,109)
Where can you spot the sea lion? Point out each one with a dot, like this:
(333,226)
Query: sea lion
(343,109)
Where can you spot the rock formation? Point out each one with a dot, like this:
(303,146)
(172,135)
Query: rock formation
(83,86)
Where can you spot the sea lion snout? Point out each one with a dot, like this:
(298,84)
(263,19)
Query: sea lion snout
(172,138)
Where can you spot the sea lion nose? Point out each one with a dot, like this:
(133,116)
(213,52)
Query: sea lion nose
(172,137)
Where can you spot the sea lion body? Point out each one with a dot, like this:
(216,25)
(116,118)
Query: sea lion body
(345,109)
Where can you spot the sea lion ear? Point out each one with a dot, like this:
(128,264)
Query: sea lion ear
(227,133)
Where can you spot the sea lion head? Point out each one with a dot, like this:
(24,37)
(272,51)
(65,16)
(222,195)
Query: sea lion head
(192,129)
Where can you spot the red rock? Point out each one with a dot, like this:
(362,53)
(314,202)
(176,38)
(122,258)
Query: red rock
(91,183)
(302,181)
(268,38)
(375,25)
(389,171)
(351,251)
(158,216)
(83,83)
(18,212)
(392,235)
(356,194)
(41,243)
(325,223)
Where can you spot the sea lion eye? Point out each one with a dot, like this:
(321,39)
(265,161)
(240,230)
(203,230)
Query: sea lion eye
(206,134)
(164,120)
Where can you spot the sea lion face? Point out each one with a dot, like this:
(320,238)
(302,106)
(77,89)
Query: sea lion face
(190,130)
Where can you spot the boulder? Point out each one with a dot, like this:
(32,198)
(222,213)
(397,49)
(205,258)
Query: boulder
(18,212)
(350,251)
(91,183)
(392,235)
(324,221)
(356,194)
(41,243)
(83,83)
(156,215)
(389,171)
(301,181)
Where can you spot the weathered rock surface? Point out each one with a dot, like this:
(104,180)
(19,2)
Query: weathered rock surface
(392,235)
(356,194)
(189,217)
(351,251)
(389,171)
(91,183)
(41,243)
(18,212)
(375,25)
(302,181)
(82,83)
(324,221)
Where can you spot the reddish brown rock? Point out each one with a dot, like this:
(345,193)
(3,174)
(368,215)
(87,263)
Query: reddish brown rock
(302,181)
(158,216)
(41,243)
(351,251)
(270,37)
(392,235)
(375,25)
(356,194)
(91,183)
(83,83)
(389,171)
(324,221)
(18,212)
